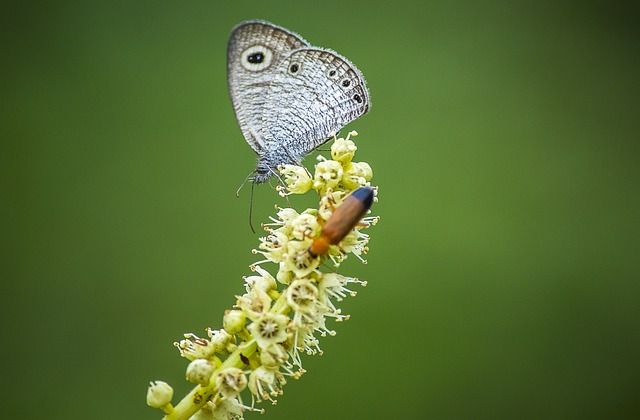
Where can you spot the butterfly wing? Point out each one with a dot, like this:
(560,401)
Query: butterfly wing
(315,93)
(254,53)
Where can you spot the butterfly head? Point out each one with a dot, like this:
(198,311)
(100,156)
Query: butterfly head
(262,173)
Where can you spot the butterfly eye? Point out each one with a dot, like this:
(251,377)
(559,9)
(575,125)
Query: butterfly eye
(256,58)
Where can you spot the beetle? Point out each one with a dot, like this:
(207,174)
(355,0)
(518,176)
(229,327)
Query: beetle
(343,220)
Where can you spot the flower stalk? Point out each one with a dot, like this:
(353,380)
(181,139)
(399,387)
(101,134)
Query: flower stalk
(281,315)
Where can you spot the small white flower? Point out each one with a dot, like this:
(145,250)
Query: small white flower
(230,382)
(220,340)
(333,288)
(223,409)
(269,329)
(264,281)
(272,246)
(355,243)
(304,340)
(266,384)
(304,226)
(302,298)
(356,175)
(285,216)
(227,409)
(328,175)
(329,202)
(284,276)
(343,150)
(298,259)
(302,295)
(297,179)
(194,347)
(273,356)
(255,303)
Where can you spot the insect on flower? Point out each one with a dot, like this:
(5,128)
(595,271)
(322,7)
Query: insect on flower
(343,220)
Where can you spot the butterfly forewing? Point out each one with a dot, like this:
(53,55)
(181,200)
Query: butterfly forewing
(254,52)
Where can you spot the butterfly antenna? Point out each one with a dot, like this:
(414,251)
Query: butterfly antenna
(249,177)
(251,208)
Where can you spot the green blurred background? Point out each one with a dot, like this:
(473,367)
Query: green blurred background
(503,277)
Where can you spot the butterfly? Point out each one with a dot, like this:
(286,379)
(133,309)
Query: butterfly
(289,97)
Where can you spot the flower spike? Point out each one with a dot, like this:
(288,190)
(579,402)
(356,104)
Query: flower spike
(288,298)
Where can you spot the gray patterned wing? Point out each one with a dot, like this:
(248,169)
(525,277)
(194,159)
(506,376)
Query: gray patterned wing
(254,53)
(315,94)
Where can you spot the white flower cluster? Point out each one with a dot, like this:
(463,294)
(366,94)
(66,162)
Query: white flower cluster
(280,316)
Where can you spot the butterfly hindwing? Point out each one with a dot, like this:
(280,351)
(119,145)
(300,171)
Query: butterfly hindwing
(315,93)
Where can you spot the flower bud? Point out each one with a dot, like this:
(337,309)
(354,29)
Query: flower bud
(234,321)
(343,150)
(199,371)
(159,394)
